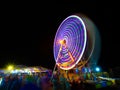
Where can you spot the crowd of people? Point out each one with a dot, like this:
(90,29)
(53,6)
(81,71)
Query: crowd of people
(42,81)
(35,81)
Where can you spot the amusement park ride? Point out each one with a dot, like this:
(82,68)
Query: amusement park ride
(77,43)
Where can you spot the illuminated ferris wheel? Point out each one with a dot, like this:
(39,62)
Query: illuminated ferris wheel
(70,42)
(74,42)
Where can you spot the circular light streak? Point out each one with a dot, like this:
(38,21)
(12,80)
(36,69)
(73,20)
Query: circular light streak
(70,42)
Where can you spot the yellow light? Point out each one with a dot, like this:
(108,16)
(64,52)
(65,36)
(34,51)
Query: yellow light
(10,67)
(61,41)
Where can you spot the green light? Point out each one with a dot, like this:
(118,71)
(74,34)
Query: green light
(109,83)
(98,86)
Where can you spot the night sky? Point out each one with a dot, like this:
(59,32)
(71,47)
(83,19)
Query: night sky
(27,31)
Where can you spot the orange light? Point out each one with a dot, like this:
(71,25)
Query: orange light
(58,64)
(61,41)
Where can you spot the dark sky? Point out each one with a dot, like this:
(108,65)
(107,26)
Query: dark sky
(27,31)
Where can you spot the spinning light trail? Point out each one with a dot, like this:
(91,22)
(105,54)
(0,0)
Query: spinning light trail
(70,42)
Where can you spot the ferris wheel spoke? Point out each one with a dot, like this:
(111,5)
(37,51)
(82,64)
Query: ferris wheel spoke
(71,56)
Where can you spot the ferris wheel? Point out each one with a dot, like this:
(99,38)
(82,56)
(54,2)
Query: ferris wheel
(76,42)
(70,42)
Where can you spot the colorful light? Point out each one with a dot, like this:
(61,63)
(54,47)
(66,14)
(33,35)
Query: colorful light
(73,36)
(61,41)
(10,67)
(1,80)
(97,69)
